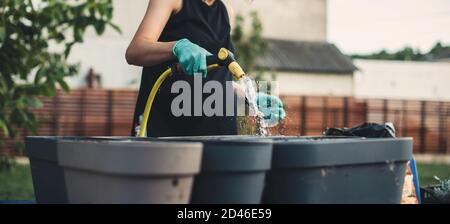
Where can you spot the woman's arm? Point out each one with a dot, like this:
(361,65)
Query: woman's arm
(144,49)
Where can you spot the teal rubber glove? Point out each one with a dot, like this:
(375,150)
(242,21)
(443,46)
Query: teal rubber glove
(271,107)
(191,57)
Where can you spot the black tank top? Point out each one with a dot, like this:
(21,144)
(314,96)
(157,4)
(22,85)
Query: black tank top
(208,27)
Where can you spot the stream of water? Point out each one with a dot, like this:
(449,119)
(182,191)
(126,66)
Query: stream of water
(250,93)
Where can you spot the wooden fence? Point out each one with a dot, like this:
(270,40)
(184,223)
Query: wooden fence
(84,112)
(87,112)
(426,121)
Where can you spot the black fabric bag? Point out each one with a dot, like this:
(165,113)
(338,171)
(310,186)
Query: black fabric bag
(368,130)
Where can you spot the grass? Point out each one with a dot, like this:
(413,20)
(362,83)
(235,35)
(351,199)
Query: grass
(428,171)
(16,183)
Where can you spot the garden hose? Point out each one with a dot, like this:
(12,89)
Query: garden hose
(223,58)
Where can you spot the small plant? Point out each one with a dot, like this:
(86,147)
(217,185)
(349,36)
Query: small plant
(442,192)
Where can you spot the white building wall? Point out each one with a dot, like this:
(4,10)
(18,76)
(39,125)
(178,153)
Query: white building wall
(297,84)
(106,54)
(288,19)
(402,80)
(285,19)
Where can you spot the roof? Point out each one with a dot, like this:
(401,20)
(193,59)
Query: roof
(302,56)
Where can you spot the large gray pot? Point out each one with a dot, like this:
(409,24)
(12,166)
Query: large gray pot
(233,170)
(112,170)
(337,170)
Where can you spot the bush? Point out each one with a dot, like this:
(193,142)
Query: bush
(28,68)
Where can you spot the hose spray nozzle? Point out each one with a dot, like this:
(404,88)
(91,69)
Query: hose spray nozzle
(226,58)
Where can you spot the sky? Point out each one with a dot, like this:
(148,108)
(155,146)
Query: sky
(365,26)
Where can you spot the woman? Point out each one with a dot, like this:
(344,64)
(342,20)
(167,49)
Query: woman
(184,31)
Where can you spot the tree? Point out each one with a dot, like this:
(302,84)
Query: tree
(249,46)
(437,48)
(407,54)
(29,68)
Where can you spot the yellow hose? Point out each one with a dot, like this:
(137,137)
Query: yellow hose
(151,98)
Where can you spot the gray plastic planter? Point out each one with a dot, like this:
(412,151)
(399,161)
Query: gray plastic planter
(233,170)
(48,177)
(337,170)
(112,170)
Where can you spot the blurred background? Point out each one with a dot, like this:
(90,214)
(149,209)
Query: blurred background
(338,63)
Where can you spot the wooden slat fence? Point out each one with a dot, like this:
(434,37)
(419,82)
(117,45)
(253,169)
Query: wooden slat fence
(88,112)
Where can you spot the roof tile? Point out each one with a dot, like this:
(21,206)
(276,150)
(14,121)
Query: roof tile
(302,56)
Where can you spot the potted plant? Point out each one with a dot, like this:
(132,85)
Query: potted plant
(436,194)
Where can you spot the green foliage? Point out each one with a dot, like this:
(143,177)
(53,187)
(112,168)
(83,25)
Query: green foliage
(443,191)
(427,171)
(31,66)
(249,45)
(16,183)
(406,54)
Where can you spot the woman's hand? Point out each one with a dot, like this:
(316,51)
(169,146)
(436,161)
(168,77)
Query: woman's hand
(145,49)
(271,107)
(191,57)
